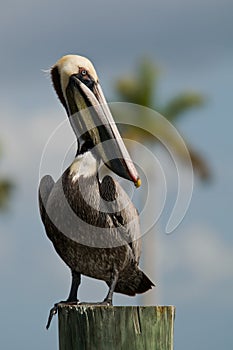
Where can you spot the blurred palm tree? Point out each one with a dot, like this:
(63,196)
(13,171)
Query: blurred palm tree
(141,89)
(6,187)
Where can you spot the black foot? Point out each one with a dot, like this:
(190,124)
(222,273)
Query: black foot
(54,309)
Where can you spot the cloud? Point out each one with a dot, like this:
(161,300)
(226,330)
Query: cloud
(196,265)
(24,140)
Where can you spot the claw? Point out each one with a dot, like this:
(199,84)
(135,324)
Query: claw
(52,312)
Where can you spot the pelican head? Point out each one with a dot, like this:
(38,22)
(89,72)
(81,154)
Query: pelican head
(77,86)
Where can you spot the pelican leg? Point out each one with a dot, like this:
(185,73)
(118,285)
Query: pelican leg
(76,280)
(108,299)
(72,298)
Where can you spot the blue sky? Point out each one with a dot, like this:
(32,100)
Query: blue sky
(193,267)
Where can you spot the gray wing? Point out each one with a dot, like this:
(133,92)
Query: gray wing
(45,188)
(123,213)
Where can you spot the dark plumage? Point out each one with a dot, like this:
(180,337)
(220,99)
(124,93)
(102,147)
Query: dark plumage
(92,224)
(94,243)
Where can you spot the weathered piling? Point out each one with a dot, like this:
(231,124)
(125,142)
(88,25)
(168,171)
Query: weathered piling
(94,327)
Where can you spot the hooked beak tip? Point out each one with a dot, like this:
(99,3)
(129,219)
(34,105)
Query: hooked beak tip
(138,182)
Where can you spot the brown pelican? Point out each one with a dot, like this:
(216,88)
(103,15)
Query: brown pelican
(92,224)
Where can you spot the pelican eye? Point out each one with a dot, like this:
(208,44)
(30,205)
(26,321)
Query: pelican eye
(85,78)
(83,72)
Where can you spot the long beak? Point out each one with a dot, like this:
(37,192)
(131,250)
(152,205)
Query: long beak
(90,114)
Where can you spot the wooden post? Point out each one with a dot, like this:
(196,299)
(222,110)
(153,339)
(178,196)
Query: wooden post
(94,327)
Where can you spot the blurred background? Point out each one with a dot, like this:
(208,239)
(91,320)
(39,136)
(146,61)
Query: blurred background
(173,56)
